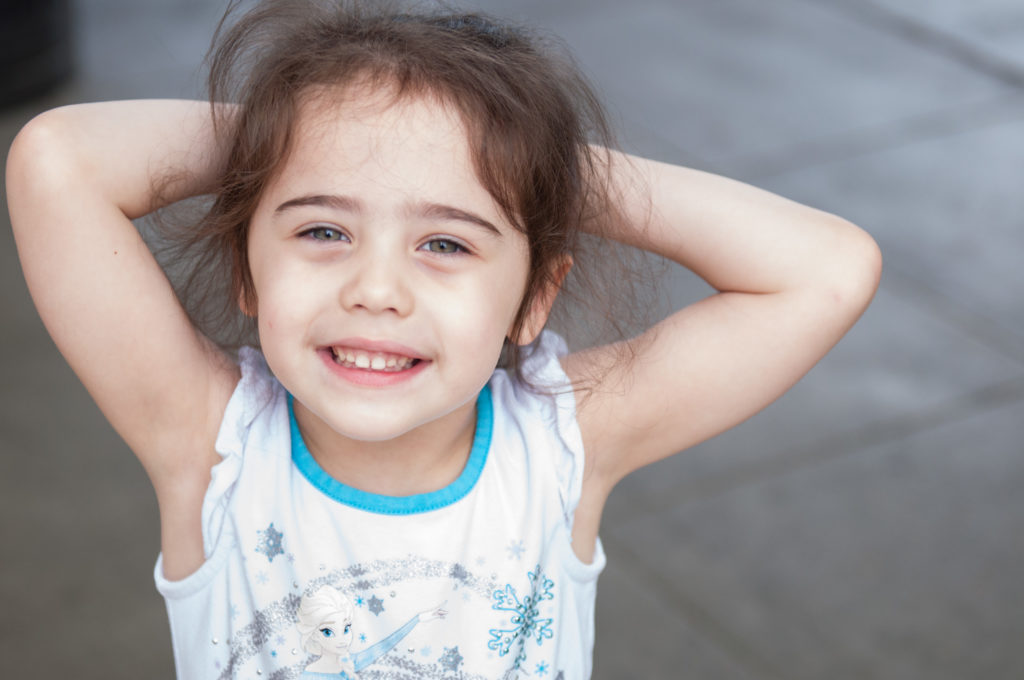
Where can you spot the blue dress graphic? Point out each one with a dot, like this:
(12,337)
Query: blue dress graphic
(361,660)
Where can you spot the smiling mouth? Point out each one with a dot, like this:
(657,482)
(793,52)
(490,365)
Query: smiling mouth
(381,362)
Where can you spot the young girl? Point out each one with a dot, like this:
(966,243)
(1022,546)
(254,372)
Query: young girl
(397,199)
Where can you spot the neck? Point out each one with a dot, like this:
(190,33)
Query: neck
(419,461)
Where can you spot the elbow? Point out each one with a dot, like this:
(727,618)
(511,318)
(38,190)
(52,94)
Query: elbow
(39,164)
(37,139)
(856,270)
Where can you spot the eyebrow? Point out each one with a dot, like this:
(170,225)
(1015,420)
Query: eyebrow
(325,201)
(427,210)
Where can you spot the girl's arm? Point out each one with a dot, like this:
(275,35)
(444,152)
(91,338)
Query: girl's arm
(76,176)
(791,282)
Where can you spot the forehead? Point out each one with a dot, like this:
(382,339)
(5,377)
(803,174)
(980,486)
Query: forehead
(362,109)
(382,145)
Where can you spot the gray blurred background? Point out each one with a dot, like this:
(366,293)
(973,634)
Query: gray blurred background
(870,524)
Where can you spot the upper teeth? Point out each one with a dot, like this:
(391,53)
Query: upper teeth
(375,361)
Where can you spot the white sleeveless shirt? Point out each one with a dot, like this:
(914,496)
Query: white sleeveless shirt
(490,552)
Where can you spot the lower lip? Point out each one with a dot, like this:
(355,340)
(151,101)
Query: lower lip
(365,377)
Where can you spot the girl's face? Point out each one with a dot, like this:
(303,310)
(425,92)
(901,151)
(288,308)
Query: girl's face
(335,637)
(386,276)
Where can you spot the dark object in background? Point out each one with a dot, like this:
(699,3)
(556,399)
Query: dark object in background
(35,47)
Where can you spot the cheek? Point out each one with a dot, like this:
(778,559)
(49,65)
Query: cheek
(280,302)
(267,320)
(270,280)
(507,284)
(513,296)
(490,311)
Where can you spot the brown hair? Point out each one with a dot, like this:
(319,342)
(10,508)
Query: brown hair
(529,114)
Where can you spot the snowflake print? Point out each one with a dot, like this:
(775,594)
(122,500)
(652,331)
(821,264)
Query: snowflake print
(262,577)
(458,573)
(525,620)
(270,542)
(515,550)
(451,659)
(542,668)
(360,601)
(376,605)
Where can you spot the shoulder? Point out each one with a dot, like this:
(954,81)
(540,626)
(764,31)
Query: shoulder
(543,397)
(188,496)
(537,417)
(247,391)
(256,390)
(543,413)
(254,411)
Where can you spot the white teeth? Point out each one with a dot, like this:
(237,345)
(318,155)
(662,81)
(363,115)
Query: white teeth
(376,361)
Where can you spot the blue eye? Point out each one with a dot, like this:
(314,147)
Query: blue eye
(327,632)
(325,233)
(348,627)
(444,246)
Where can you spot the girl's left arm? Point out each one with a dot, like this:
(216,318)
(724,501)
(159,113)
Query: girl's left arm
(791,280)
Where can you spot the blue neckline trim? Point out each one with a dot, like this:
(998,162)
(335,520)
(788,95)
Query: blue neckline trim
(400,505)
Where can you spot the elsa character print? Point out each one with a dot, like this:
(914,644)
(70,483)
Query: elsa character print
(325,624)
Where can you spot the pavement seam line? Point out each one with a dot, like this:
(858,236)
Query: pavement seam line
(954,314)
(955,409)
(932,38)
(879,138)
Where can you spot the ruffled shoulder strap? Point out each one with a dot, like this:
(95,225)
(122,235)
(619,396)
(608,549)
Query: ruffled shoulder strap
(253,399)
(255,392)
(550,392)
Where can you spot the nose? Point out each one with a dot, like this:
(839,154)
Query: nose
(376,281)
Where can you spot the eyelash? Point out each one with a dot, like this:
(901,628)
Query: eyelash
(319,233)
(313,232)
(460,249)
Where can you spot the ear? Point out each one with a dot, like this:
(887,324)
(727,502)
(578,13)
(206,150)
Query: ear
(543,301)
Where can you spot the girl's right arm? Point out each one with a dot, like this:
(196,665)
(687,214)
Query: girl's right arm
(76,177)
